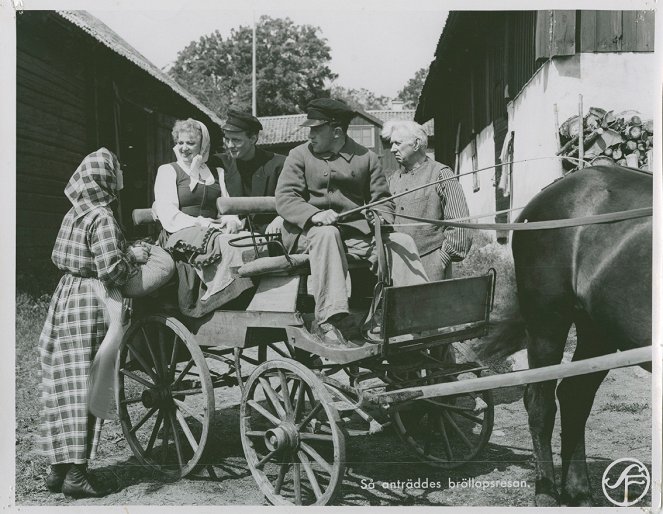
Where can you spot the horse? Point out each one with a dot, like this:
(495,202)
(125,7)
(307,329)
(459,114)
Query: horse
(598,277)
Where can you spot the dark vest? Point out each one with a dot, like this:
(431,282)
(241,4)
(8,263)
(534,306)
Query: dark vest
(202,200)
(424,203)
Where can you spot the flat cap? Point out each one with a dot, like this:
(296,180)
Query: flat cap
(324,110)
(241,121)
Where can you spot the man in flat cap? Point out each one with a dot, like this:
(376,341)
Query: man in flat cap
(329,175)
(249,170)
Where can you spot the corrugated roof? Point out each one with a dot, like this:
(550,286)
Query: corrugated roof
(105,35)
(278,130)
(402,115)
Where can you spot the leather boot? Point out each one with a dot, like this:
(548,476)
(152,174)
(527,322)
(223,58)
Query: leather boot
(78,484)
(55,478)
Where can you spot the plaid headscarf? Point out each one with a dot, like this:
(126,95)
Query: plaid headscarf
(94,183)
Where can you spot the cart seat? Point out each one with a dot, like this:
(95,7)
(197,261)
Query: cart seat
(297,264)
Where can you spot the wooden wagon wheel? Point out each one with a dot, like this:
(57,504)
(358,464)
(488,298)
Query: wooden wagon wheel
(165,395)
(291,436)
(444,432)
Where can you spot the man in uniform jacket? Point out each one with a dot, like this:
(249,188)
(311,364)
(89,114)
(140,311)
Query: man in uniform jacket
(249,170)
(329,175)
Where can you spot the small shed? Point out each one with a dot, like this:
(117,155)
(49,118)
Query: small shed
(80,86)
(281,134)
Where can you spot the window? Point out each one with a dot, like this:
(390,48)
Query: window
(475,166)
(363,134)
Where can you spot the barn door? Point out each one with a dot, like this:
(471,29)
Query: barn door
(133,135)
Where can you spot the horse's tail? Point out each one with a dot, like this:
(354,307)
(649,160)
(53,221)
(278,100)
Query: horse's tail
(506,336)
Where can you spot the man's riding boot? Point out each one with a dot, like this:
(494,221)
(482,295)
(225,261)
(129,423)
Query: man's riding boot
(78,484)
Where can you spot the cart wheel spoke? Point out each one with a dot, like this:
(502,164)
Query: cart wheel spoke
(183,406)
(317,457)
(273,398)
(187,431)
(155,432)
(176,438)
(164,440)
(310,474)
(182,374)
(142,420)
(266,459)
(310,416)
(447,444)
(155,363)
(297,479)
(136,378)
(286,394)
(143,363)
(279,480)
(448,419)
(255,433)
(280,452)
(259,408)
(307,436)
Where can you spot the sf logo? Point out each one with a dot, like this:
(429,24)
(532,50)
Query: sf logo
(625,482)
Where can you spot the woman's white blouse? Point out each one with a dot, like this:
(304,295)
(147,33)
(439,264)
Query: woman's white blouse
(166,207)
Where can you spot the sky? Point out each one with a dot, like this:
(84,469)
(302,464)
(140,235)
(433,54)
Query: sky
(375,48)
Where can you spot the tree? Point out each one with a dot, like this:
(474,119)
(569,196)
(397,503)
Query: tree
(291,67)
(412,89)
(360,98)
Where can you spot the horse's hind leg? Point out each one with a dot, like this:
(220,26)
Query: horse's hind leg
(576,396)
(545,347)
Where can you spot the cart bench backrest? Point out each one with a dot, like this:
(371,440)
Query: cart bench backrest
(447,303)
(242,205)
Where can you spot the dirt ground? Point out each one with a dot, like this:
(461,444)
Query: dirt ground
(620,426)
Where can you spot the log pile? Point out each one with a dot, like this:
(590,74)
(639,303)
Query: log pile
(625,139)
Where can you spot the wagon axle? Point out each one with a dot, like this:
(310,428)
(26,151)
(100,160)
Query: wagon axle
(282,439)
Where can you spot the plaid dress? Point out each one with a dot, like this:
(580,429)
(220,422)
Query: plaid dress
(90,248)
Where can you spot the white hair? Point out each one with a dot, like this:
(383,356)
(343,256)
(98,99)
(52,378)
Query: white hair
(408,129)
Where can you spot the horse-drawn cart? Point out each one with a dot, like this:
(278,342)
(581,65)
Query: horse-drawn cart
(300,397)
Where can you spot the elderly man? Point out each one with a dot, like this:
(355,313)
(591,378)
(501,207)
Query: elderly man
(249,170)
(321,179)
(438,246)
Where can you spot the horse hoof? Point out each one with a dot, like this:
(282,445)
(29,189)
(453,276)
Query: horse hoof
(546,500)
(577,500)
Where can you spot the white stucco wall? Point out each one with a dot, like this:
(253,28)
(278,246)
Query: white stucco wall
(483,200)
(611,81)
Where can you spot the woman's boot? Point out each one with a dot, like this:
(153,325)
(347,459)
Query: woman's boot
(78,484)
(56,477)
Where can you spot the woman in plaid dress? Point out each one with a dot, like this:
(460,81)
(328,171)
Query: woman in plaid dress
(91,251)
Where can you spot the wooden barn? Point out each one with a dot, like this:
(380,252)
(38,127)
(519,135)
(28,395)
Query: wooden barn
(79,87)
(281,134)
(497,77)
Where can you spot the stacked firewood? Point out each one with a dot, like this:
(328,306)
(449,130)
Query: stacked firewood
(625,139)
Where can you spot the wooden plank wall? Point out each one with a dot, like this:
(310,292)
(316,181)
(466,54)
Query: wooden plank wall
(51,136)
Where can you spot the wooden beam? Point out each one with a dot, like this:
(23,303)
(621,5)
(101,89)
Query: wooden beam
(516,378)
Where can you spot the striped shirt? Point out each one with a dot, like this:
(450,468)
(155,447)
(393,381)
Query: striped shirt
(448,203)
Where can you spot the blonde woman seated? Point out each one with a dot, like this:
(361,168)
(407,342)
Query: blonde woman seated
(185,195)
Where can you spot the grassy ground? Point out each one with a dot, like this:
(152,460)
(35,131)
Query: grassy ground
(30,314)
